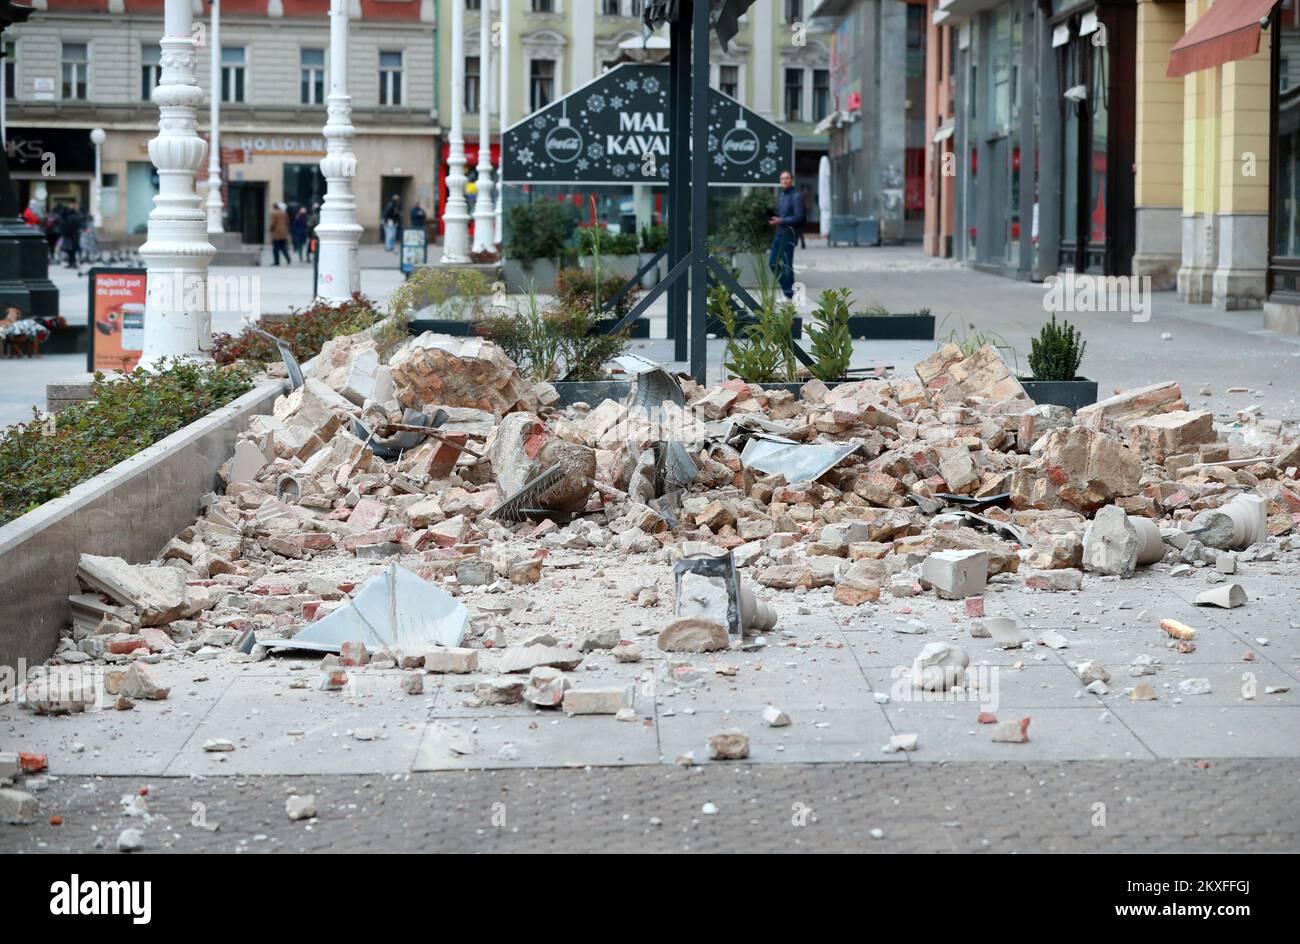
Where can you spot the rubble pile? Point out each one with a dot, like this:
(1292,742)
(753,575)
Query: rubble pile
(944,484)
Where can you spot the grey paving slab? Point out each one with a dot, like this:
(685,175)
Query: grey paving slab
(142,740)
(1055,734)
(1193,730)
(991,688)
(833,735)
(794,678)
(1241,684)
(277,729)
(546,739)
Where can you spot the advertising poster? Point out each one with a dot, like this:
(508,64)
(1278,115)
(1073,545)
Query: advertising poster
(115,319)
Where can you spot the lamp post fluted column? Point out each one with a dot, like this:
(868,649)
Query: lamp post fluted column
(485,220)
(455,238)
(338,231)
(215,208)
(503,111)
(177,323)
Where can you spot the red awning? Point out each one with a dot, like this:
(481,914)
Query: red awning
(1228,30)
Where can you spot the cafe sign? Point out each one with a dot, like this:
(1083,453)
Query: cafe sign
(614,130)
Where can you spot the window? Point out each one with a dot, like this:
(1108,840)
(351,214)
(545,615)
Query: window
(11,77)
(76,58)
(794,11)
(232,73)
(821,94)
(390,78)
(543,6)
(794,94)
(609,7)
(635,7)
(150,70)
(473,4)
(729,81)
(472,83)
(312,64)
(541,83)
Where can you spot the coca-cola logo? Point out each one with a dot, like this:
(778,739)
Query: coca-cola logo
(563,144)
(740,145)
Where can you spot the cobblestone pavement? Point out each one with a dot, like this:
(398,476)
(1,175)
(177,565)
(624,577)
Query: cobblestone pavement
(1224,806)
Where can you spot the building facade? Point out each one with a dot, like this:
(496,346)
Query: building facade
(878,128)
(777,65)
(81,64)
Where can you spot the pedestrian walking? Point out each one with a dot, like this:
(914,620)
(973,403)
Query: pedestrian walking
(788,222)
(298,231)
(280,234)
(70,230)
(391,221)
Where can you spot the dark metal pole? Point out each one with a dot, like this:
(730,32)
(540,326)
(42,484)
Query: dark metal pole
(679,204)
(699,185)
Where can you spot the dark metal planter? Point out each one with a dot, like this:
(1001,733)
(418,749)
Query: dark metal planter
(714,327)
(1075,394)
(460,329)
(892,327)
(68,340)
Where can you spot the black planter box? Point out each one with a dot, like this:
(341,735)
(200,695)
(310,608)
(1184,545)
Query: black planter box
(68,340)
(1075,394)
(461,329)
(714,327)
(892,327)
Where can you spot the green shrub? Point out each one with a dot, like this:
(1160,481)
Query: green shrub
(761,350)
(576,288)
(593,239)
(832,342)
(306,330)
(1057,351)
(539,230)
(47,457)
(654,238)
(743,226)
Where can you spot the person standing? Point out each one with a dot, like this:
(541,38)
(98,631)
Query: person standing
(391,221)
(312,248)
(418,216)
(298,230)
(788,223)
(280,234)
(70,230)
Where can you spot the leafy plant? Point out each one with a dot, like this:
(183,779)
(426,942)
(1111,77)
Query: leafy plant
(654,238)
(743,225)
(1057,351)
(761,350)
(539,230)
(455,294)
(47,457)
(832,342)
(877,310)
(305,330)
(526,338)
(581,287)
(970,340)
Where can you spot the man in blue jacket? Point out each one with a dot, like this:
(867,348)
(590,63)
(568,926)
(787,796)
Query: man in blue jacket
(788,221)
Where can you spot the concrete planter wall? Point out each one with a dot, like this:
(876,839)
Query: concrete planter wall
(129,511)
(543,274)
(750,264)
(622,266)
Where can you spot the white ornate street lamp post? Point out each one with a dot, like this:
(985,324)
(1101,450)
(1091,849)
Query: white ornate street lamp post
(455,239)
(214,132)
(503,107)
(177,252)
(484,219)
(97,138)
(338,230)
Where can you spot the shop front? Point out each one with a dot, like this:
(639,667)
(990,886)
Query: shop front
(1282,308)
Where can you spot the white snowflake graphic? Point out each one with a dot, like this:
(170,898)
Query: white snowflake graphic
(595,152)
(525,155)
(596,103)
(582,163)
(617,170)
(651,84)
(719,159)
(617,101)
(771,147)
(767,166)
